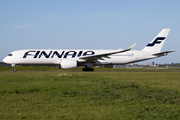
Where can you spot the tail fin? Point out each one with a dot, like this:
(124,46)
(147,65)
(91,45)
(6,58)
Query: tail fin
(156,44)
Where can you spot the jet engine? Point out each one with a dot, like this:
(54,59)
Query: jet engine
(68,64)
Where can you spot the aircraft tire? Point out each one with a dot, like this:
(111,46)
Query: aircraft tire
(14,70)
(88,69)
(91,69)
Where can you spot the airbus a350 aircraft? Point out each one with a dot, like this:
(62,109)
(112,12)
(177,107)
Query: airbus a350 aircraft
(67,59)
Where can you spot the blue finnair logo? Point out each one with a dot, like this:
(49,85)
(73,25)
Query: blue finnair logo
(60,54)
(158,40)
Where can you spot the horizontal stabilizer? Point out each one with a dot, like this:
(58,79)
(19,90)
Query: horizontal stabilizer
(162,53)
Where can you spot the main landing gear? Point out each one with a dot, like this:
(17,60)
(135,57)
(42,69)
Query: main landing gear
(88,66)
(88,69)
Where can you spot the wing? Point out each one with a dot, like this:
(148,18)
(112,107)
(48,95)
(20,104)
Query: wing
(105,55)
(162,53)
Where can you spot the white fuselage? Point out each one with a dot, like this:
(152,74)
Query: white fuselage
(54,56)
(67,59)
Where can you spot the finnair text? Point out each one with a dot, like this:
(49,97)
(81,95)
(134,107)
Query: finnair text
(62,54)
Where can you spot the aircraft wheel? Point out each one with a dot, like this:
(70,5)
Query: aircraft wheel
(88,69)
(84,69)
(14,69)
(91,69)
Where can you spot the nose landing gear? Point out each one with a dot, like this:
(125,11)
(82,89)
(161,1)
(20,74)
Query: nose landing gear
(14,67)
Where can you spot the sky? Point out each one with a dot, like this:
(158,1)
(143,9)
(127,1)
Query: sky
(88,24)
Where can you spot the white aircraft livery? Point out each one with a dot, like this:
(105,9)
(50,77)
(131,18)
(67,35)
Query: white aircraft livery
(67,59)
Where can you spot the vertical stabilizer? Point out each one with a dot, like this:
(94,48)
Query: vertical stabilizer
(156,44)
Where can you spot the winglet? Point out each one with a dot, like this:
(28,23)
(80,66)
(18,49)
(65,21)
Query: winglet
(128,49)
(132,46)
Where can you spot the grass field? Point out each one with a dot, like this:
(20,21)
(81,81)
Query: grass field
(55,68)
(89,95)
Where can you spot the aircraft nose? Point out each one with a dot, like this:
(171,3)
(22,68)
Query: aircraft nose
(5,60)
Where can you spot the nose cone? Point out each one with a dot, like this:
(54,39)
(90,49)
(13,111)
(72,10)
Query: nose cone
(5,60)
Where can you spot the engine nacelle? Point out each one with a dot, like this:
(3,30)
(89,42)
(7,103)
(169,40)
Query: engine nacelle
(68,64)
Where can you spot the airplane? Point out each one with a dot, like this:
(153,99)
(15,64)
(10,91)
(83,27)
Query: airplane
(68,59)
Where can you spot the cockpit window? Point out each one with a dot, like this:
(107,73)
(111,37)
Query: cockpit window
(10,55)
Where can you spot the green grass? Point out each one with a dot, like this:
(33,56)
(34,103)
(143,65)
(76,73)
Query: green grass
(51,68)
(89,95)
